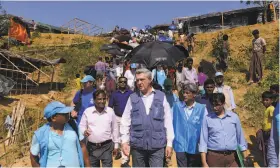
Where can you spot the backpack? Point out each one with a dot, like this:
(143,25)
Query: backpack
(79,103)
(77,108)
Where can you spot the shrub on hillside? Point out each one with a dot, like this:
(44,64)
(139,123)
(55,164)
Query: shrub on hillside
(270,79)
(36,34)
(200,45)
(49,37)
(272,60)
(78,57)
(252,104)
(217,44)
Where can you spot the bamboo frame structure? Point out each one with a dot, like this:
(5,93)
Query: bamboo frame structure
(78,26)
(25,71)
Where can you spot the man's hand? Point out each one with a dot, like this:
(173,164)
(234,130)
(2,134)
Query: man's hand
(168,152)
(205,165)
(74,114)
(87,133)
(115,152)
(126,149)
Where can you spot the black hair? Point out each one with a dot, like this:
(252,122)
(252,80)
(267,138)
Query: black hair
(49,119)
(225,37)
(98,92)
(122,77)
(275,87)
(268,95)
(189,59)
(209,81)
(99,76)
(217,97)
(254,32)
(200,69)
(77,75)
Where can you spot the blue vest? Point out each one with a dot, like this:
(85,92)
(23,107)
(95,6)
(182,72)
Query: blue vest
(187,131)
(42,135)
(147,132)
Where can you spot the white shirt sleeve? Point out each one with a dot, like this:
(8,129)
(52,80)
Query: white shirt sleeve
(35,149)
(195,76)
(126,122)
(83,125)
(168,122)
(115,130)
(233,105)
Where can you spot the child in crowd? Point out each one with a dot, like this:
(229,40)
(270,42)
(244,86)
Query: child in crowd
(267,100)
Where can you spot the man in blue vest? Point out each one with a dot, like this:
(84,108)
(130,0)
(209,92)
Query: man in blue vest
(187,120)
(146,126)
(57,144)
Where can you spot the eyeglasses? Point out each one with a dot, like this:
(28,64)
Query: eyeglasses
(122,81)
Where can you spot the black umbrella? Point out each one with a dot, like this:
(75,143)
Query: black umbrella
(182,48)
(122,38)
(124,46)
(156,53)
(115,52)
(109,47)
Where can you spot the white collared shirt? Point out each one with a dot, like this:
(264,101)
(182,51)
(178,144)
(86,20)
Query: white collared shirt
(189,76)
(189,110)
(147,100)
(102,126)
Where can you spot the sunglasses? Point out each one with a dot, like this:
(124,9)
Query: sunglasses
(122,81)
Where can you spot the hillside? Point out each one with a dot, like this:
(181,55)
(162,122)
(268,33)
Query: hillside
(246,97)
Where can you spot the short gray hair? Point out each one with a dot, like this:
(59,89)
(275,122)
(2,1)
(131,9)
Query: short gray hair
(145,71)
(190,87)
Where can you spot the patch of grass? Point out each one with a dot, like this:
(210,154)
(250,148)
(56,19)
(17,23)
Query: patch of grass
(270,79)
(36,34)
(272,60)
(252,103)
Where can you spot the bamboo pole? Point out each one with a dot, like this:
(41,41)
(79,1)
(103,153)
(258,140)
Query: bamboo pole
(52,77)
(4,147)
(5,69)
(38,118)
(36,67)
(17,67)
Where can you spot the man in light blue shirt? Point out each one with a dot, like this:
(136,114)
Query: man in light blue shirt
(221,134)
(57,144)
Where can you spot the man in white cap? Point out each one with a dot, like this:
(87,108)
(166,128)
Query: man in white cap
(57,143)
(226,90)
(83,98)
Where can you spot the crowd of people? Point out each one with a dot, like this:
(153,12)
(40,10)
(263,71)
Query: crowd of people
(125,110)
